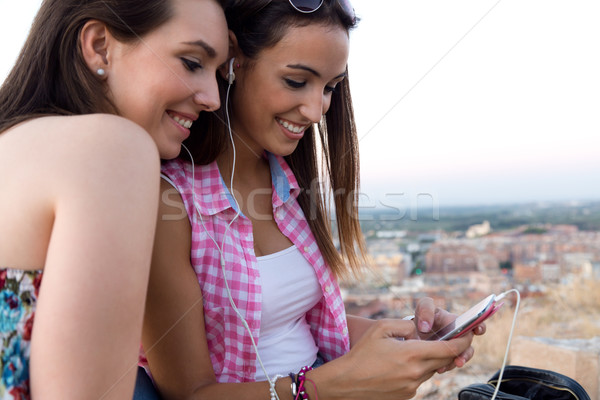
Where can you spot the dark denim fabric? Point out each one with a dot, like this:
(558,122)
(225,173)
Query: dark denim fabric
(144,388)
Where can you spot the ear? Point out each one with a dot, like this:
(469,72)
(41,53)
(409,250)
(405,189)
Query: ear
(234,52)
(94,40)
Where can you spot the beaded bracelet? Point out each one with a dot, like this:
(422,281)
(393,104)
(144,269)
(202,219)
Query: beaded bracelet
(301,381)
(272,386)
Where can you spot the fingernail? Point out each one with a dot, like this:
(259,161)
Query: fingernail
(424,326)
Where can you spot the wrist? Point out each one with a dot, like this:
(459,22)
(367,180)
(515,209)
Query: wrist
(283,388)
(332,380)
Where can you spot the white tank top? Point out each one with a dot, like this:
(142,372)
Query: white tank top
(290,288)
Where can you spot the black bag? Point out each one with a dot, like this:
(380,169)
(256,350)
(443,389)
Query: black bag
(524,383)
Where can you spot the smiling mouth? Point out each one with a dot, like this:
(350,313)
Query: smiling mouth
(291,127)
(186,123)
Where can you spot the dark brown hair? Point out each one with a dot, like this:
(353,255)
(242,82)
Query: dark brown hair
(258,25)
(51,76)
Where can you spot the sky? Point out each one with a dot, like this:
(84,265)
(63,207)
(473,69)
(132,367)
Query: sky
(462,102)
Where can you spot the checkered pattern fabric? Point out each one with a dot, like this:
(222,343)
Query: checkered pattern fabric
(232,354)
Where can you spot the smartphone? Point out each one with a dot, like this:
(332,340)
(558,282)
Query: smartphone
(469,320)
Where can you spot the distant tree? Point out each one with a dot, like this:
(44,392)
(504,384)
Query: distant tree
(507,265)
(533,230)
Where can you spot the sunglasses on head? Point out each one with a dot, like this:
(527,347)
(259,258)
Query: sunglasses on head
(309,6)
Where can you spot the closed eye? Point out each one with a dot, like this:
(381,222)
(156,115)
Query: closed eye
(298,85)
(294,84)
(190,65)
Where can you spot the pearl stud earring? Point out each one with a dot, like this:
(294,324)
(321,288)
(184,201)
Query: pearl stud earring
(100,71)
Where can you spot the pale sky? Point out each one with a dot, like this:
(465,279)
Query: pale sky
(470,101)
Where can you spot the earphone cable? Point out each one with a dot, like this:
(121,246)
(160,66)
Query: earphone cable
(222,262)
(220,248)
(512,329)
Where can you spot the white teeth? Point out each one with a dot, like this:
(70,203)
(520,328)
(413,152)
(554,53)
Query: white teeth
(186,123)
(292,128)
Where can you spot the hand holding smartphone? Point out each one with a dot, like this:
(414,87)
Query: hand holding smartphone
(469,320)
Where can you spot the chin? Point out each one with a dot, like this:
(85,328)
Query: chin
(170,152)
(284,151)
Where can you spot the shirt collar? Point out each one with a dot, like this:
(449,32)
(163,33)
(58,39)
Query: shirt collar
(214,196)
(285,185)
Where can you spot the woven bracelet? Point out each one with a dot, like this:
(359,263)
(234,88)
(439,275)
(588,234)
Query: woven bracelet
(301,381)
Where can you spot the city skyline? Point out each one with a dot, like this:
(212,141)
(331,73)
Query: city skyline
(468,102)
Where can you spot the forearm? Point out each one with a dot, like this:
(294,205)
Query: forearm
(247,390)
(357,326)
(325,383)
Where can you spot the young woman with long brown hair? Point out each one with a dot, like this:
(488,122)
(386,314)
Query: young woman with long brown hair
(243,297)
(100,91)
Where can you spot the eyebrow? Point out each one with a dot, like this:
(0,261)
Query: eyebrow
(201,43)
(312,71)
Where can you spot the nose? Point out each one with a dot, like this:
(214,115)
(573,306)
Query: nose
(315,106)
(206,94)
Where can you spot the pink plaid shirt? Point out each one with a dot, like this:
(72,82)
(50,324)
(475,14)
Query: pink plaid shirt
(232,355)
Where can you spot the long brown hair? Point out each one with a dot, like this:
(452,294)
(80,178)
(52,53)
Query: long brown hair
(258,25)
(51,76)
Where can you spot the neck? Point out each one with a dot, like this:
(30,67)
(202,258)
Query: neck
(249,163)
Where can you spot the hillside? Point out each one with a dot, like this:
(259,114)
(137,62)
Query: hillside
(584,215)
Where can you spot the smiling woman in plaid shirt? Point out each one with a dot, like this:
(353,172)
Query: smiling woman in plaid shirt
(248,221)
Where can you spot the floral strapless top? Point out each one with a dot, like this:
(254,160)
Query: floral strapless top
(18,295)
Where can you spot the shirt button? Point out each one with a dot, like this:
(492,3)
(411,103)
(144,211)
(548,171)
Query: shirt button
(328,289)
(345,330)
(306,249)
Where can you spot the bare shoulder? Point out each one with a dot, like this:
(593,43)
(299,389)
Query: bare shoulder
(172,211)
(81,141)
(68,166)
(94,132)
(170,197)
(61,152)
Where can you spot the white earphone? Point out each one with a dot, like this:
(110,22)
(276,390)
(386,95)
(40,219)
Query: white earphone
(230,79)
(231,74)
